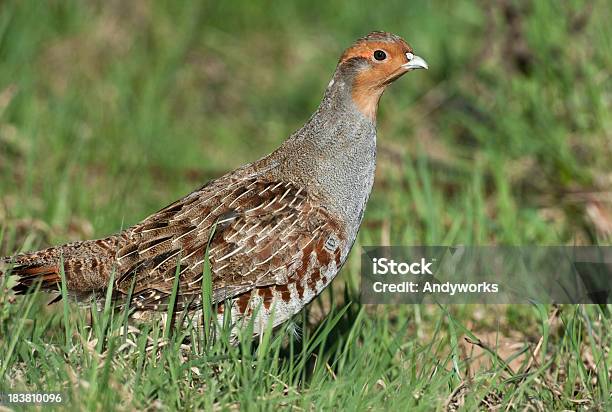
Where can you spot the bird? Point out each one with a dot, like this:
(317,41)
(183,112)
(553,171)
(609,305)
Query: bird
(273,233)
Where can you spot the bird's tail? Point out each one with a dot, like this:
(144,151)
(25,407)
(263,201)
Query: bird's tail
(86,265)
(29,268)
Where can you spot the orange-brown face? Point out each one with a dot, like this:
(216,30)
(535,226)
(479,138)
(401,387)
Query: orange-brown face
(381,58)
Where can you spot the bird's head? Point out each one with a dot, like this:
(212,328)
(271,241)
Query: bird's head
(372,63)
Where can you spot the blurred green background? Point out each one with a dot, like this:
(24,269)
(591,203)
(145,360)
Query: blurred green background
(110,110)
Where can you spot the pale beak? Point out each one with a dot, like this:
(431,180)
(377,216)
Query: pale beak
(415,62)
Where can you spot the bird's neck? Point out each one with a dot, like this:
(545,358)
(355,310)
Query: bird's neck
(334,153)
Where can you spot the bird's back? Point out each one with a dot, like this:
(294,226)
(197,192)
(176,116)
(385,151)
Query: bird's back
(269,244)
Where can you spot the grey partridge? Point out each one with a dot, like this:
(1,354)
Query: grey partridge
(277,231)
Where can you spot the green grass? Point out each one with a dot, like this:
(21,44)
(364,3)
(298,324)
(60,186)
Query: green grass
(110,111)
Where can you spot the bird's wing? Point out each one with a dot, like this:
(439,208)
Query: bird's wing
(258,234)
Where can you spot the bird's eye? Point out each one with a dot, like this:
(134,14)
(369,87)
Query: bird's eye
(380,55)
